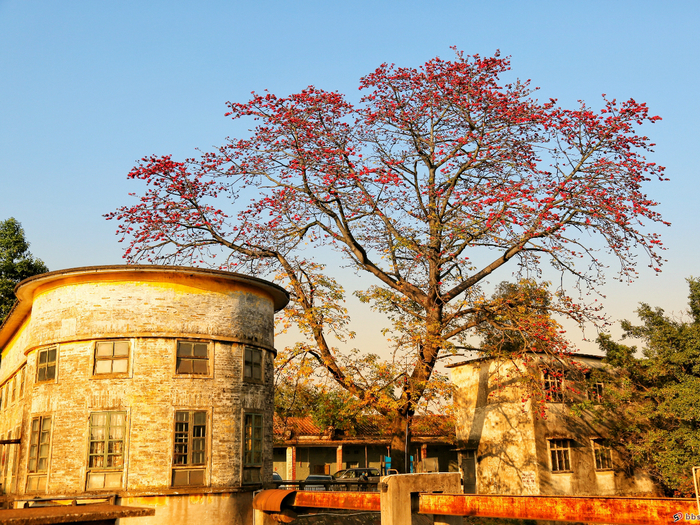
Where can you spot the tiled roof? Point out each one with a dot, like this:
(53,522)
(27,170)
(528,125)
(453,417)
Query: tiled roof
(421,426)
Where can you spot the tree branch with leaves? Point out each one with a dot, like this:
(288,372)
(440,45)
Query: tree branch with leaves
(436,180)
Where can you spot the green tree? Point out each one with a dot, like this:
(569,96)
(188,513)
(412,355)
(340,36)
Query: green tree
(16,263)
(656,397)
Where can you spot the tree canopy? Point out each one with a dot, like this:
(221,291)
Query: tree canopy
(16,263)
(437,178)
(655,398)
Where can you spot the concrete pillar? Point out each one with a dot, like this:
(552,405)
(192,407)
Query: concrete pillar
(291,463)
(396,496)
(339,458)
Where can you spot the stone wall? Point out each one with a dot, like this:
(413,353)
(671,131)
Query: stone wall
(151,309)
(513,445)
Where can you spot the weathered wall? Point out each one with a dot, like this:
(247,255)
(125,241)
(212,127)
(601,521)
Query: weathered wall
(513,445)
(499,428)
(231,507)
(151,309)
(105,305)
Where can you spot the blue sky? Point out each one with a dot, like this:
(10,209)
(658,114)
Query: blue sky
(87,88)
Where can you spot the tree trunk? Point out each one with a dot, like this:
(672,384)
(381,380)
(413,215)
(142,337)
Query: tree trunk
(399,443)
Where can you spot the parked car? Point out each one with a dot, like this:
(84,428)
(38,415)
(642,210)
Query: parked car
(277,477)
(355,473)
(353,478)
(317,478)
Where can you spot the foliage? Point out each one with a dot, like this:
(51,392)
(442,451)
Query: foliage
(654,400)
(16,263)
(437,178)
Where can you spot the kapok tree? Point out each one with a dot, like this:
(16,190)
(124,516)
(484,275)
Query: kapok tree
(437,178)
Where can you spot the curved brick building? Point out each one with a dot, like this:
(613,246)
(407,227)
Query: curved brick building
(150,382)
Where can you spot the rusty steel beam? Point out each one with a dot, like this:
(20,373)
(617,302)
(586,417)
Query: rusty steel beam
(337,500)
(621,511)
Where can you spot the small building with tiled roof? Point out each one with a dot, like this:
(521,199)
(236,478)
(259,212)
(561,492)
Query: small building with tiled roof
(302,448)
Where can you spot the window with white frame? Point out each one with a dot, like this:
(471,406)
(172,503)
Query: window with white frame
(46,364)
(560,454)
(111,357)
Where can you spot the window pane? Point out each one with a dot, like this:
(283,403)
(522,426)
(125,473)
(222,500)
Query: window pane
(184,366)
(104,349)
(117,419)
(96,481)
(196,477)
(103,367)
(97,447)
(42,357)
(121,348)
(51,372)
(31,484)
(200,418)
(119,366)
(180,477)
(184,349)
(114,461)
(257,356)
(52,355)
(41,376)
(200,366)
(200,349)
(256,373)
(113,480)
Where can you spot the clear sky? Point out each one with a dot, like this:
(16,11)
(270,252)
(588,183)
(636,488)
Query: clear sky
(89,87)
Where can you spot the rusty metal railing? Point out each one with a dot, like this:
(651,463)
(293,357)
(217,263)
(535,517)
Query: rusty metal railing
(618,510)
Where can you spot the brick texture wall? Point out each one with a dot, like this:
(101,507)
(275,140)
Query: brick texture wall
(152,312)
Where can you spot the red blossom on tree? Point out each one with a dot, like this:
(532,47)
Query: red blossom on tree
(436,179)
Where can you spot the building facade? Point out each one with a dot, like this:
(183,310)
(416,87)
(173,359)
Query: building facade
(507,448)
(302,448)
(152,383)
